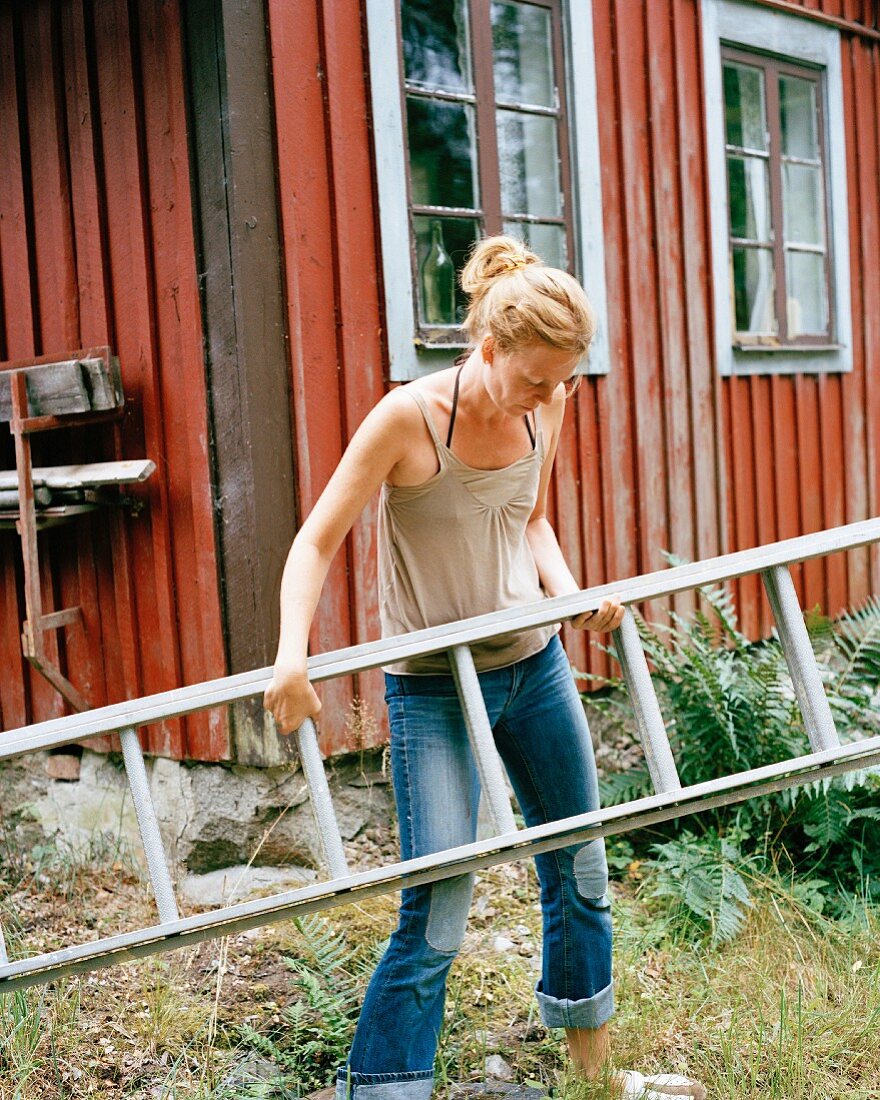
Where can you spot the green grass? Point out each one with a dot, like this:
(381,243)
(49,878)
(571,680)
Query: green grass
(788,1009)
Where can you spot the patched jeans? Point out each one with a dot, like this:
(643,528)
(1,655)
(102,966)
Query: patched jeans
(542,736)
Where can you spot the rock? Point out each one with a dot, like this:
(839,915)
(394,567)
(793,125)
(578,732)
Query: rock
(323,1094)
(371,779)
(249,1072)
(496,1066)
(502,943)
(98,803)
(497,1090)
(63,767)
(240,883)
(210,815)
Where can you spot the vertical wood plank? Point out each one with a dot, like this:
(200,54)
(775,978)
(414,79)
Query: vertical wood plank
(833,475)
(810,489)
(855,447)
(312,318)
(192,553)
(359,344)
(567,521)
(707,453)
(764,485)
(785,467)
(53,274)
(18,342)
(867,111)
(593,519)
(669,292)
(646,393)
(128,216)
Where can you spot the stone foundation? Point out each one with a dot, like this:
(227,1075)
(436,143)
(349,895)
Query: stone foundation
(211,815)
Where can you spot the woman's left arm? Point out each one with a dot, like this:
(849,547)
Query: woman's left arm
(553,571)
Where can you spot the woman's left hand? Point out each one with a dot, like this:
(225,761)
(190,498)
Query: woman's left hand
(608,616)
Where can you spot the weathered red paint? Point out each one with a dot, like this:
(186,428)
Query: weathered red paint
(662,454)
(97,171)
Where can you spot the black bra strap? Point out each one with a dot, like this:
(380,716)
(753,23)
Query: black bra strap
(454,407)
(529,429)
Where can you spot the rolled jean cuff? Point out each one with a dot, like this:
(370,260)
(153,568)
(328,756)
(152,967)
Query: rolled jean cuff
(589,1012)
(416,1085)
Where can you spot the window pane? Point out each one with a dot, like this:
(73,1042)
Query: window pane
(442,245)
(749,191)
(523,55)
(547,241)
(436,46)
(528,163)
(802,201)
(441,152)
(807,301)
(797,109)
(753,290)
(744,110)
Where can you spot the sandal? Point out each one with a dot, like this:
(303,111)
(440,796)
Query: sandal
(636,1086)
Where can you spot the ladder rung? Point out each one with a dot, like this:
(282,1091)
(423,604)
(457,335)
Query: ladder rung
(440,865)
(322,803)
(476,719)
(801,659)
(148,824)
(652,729)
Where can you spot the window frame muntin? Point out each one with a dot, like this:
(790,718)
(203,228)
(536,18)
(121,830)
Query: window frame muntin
(772,65)
(788,35)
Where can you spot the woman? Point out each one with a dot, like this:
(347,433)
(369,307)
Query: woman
(463,460)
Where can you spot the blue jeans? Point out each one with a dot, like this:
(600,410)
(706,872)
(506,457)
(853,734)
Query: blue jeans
(542,736)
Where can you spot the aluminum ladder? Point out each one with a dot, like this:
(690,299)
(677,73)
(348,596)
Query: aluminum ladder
(670,800)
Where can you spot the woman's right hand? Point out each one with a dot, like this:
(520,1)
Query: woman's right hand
(291,698)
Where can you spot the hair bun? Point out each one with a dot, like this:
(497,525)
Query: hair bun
(491,258)
(536,302)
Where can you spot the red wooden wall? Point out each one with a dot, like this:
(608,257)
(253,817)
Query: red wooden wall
(96,247)
(662,454)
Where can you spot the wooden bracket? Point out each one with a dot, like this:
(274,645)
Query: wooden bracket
(36,624)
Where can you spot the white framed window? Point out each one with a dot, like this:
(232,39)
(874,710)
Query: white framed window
(519,73)
(777,191)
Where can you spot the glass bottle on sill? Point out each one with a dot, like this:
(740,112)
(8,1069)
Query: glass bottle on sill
(438,281)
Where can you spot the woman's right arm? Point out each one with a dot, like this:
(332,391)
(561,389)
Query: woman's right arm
(375,449)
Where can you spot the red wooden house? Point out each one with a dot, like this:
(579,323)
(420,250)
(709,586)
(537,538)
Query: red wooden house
(242,200)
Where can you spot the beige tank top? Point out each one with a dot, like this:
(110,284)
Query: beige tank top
(454,547)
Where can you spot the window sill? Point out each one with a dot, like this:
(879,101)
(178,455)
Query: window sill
(797,349)
(749,359)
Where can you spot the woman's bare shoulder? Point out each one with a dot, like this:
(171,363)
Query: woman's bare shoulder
(398,407)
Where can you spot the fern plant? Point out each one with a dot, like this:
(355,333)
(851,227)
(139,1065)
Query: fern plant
(703,878)
(317,1026)
(729,706)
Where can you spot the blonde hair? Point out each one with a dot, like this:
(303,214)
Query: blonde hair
(514,297)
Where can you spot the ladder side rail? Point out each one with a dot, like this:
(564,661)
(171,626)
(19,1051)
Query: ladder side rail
(319,795)
(148,824)
(368,655)
(441,865)
(473,707)
(800,658)
(652,728)
(4,955)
